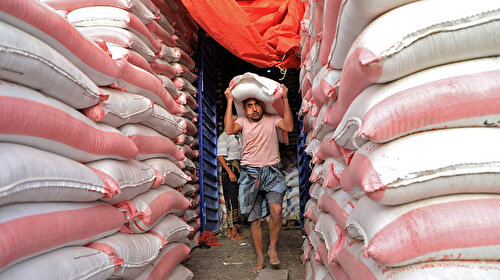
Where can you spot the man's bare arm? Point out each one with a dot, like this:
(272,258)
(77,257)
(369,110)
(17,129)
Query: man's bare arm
(229,125)
(287,123)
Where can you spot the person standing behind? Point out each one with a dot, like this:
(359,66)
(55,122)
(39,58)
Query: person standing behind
(262,184)
(228,156)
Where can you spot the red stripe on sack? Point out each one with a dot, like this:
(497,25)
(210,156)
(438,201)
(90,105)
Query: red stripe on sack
(361,173)
(163,203)
(57,228)
(330,205)
(163,241)
(110,185)
(105,248)
(433,103)
(135,23)
(354,267)
(55,26)
(335,269)
(149,145)
(24,117)
(156,29)
(361,69)
(466,221)
(169,261)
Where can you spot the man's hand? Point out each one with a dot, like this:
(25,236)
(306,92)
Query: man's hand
(285,91)
(232,177)
(229,95)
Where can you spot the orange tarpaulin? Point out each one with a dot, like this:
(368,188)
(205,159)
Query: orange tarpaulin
(262,32)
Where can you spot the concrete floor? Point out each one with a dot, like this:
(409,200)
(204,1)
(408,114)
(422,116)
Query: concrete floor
(234,259)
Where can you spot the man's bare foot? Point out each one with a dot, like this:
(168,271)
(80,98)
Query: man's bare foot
(260,264)
(273,257)
(238,237)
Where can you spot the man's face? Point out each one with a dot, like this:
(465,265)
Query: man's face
(253,109)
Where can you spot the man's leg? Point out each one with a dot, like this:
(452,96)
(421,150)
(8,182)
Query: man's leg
(274,231)
(256,231)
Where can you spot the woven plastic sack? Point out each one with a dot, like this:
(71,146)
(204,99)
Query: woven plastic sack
(130,177)
(183,84)
(45,24)
(170,256)
(189,100)
(70,263)
(166,68)
(185,72)
(422,36)
(171,229)
(461,94)
(165,123)
(188,152)
(169,53)
(135,7)
(324,86)
(159,32)
(113,17)
(172,175)
(361,268)
(31,118)
(120,108)
(139,81)
(136,251)
(319,128)
(329,148)
(131,56)
(115,36)
(54,225)
(150,143)
(440,228)
(146,210)
(350,18)
(30,62)
(50,177)
(339,204)
(170,86)
(439,166)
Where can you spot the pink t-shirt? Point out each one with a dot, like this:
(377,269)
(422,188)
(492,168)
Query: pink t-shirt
(260,141)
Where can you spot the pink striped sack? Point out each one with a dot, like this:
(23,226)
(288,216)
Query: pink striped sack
(350,18)
(146,210)
(439,166)
(120,108)
(132,56)
(185,59)
(136,252)
(361,268)
(170,86)
(139,81)
(172,175)
(452,227)
(159,32)
(330,17)
(49,27)
(31,118)
(250,85)
(183,84)
(166,68)
(135,7)
(333,169)
(113,17)
(170,256)
(56,225)
(169,54)
(69,263)
(334,268)
(171,229)
(50,177)
(460,94)
(339,204)
(116,36)
(379,56)
(324,86)
(180,272)
(185,72)
(188,99)
(313,65)
(319,271)
(151,144)
(32,63)
(188,152)
(319,128)
(129,177)
(195,227)
(164,122)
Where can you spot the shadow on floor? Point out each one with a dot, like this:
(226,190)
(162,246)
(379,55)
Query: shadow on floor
(234,261)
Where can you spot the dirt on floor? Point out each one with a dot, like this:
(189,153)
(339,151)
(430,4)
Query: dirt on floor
(234,260)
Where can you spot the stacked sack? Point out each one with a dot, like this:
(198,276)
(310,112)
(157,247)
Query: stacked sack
(291,199)
(407,196)
(103,163)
